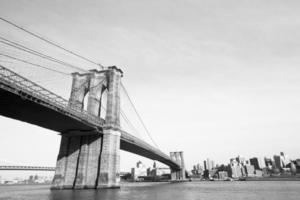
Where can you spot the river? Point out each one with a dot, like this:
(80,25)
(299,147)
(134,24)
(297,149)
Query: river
(252,190)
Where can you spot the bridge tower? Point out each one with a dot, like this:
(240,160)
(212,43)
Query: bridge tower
(178,175)
(91,159)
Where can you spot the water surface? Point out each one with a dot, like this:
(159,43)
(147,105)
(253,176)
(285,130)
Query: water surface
(261,190)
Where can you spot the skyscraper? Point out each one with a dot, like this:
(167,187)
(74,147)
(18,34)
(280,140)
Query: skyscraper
(208,163)
(255,163)
(205,165)
(277,162)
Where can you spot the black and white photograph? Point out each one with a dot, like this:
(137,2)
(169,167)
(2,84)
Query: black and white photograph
(149,100)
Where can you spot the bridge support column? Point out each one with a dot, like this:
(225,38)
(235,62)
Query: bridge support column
(182,171)
(61,164)
(109,176)
(173,172)
(66,163)
(178,175)
(77,163)
(88,162)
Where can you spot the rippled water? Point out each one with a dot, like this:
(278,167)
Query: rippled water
(279,190)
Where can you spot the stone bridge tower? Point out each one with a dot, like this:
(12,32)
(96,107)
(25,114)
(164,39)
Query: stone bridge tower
(178,175)
(91,159)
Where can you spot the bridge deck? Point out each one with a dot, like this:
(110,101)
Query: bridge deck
(18,100)
(27,168)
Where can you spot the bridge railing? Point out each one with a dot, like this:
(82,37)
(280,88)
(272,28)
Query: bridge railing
(28,89)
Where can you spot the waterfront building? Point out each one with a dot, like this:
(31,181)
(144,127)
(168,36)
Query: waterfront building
(235,168)
(258,173)
(255,163)
(268,162)
(277,164)
(265,172)
(241,160)
(284,159)
(223,175)
(158,171)
(250,170)
(261,163)
(293,168)
(205,165)
(297,163)
(243,170)
(208,164)
(139,170)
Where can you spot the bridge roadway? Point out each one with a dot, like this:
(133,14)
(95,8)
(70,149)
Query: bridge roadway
(23,100)
(26,168)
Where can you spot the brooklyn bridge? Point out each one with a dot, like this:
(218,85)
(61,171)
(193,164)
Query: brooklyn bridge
(92,135)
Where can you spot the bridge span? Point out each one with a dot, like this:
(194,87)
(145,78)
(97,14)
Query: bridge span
(84,133)
(26,168)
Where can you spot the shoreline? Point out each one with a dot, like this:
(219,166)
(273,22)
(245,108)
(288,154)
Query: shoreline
(272,179)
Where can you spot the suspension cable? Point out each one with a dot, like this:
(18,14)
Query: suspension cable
(33,64)
(123,115)
(50,42)
(138,115)
(39,54)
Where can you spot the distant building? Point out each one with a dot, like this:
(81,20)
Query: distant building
(243,170)
(284,159)
(297,163)
(258,173)
(213,173)
(241,160)
(235,168)
(250,170)
(277,162)
(261,163)
(255,163)
(268,162)
(197,170)
(139,170)
(209,164)
(223,175)
(159,171)
(205,165)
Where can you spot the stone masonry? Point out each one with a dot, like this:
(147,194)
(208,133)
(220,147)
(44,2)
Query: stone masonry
(92,160)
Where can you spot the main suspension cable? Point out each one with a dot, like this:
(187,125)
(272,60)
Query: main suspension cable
(33,64)
(50,42)
(37,53)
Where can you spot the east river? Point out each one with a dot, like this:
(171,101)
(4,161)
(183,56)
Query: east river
(252,190)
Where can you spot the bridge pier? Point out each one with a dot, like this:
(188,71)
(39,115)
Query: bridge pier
(109,176)
(178,175)
(77,162)
(91,159)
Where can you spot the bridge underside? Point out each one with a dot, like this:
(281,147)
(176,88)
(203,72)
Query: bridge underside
(36,111)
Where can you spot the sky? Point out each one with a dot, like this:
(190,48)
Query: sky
(212,78)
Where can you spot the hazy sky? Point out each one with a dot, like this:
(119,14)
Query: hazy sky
(211,78)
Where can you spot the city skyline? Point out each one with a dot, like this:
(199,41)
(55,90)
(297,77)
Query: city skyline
(208,85)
